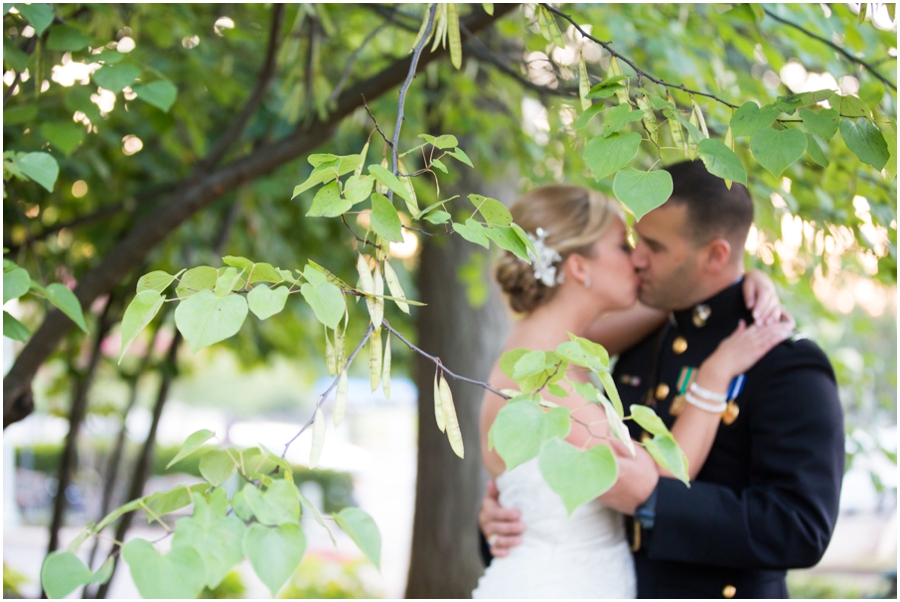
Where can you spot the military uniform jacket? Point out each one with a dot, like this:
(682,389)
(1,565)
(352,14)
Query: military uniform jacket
(767,497)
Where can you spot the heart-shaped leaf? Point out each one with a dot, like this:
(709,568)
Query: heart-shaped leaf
(116,77)
(265,302)
(217,467)
(328,202)
(358,188)
(156,280)
(40,16)
(63,136)
(191,444)
(140,312)
(66,38)
(493,211)
(40,167)
(385,220)
(161,94)
(866,142)
(666,452)
(205,318)
(777,150)
(324,297)
(16,283)
(197,279)
(823,124)
(391,181)
(577,476)
(62,573)
(218,540)
(815,151)
(66,301)
(642,191)
(750,118)
(606,156)
(362,529)
(274,553)
(179,574)
(473,232)
(13,329)
(618,117)
(648,420)
(521,428)
(722,161)
(279,504)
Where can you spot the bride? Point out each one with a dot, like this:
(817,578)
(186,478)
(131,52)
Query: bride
(585,272)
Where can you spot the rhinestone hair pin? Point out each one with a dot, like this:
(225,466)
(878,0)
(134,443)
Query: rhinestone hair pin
(542,263)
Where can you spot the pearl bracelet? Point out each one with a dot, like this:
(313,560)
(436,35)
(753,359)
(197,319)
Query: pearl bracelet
(715,408)
(703,392)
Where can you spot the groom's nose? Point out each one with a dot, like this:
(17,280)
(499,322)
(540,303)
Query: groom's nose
(639,257)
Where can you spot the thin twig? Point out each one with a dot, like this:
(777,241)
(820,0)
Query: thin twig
(331,387)
(348,67)
(840,49)
(438,362)
(375,121)
(357,237)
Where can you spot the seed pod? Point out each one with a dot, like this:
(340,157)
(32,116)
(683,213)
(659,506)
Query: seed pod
(454,435)
(378,316)
(375,359)
(386,368)
(438,410)
(318,438)
(330,358)
(394,286)
(367,284)
(340,399)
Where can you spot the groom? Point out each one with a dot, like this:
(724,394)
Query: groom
(767,497)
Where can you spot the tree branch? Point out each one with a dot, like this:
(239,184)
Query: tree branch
(345,75)
(871,69)
(266,74)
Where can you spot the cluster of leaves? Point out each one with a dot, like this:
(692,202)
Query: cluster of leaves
(530,426)
(17,282)
(260,522)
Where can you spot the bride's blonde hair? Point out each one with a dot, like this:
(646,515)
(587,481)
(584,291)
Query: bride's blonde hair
(573,217)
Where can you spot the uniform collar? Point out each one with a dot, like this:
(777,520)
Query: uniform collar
(724,310)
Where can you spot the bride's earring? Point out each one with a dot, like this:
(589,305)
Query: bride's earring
(587,282)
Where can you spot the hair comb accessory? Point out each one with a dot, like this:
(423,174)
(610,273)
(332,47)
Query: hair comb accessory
(542,262)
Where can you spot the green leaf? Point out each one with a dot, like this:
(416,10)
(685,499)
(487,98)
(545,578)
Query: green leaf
(507,238)
(549,28)
(140,312)
(162,503)
(385,220)
(217,467)
(509,360)
(64,136)
(494,212)
(325,298)
(241,507)
(179,574)
(442,142)
(314,179)
(363,530)
(274,553)
(618,117)
(191,444)
(67,39)
(750,118)
(866,142)
(521,428)
(473,232)
(775,150)
(848,106)
(588,114)
(460,156)
(440,165)
(391,181)
(328,202)
(265,302)
(577,476)
(606,156)
(18,60)
(197,279)
(115,78)
(62,573)
(39,16)
(823,124)
(584,353)
(358,188)
(205,318)
(642,191)
(227,281)
(609,387)
(648,420)
(14,329)
(218,540)
(156,280)
(529,364)
(161,94)
(557,391)
(666,452)
(438,217)
(15,284)
(40,167)
(815,151)
(489,8)
(278,505)
(722,161)
(66,301)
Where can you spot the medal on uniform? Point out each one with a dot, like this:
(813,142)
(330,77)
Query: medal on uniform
(685,378)
(732,410)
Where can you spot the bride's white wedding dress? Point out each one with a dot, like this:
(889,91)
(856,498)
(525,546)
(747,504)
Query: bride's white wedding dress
(582,556)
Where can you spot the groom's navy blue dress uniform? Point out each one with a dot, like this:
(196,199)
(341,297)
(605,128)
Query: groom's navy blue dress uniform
(767,497)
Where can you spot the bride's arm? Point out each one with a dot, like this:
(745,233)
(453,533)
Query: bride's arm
(619,330)
(696,428)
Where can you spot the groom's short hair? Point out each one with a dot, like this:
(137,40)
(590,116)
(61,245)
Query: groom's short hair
(713,211)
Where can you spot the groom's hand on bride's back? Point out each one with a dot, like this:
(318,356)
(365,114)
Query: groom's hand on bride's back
(500,526)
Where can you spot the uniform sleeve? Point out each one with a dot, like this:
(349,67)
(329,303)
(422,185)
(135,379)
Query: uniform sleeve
(785,517)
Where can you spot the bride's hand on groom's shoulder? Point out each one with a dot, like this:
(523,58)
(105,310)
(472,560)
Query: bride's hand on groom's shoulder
(761,298)
(742,349)
(500,526)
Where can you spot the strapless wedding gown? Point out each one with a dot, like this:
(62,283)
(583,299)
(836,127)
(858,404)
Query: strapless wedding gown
(582,556)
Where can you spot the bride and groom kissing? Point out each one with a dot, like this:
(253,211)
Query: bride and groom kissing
(754,407)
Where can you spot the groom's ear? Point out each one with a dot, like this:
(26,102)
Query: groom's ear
(717,255)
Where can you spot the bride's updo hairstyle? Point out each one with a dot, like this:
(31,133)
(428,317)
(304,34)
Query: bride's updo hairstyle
(573,218)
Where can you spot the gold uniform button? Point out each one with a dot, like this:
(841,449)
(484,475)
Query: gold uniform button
(729,591)
(662,391)
(679,345)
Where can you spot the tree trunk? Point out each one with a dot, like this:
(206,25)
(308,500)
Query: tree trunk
(445,560)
